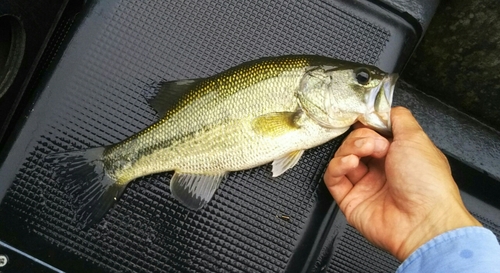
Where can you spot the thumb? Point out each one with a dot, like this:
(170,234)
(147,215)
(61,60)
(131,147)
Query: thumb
(403,122)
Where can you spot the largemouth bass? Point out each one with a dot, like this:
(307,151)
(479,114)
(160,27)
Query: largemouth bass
(267,110)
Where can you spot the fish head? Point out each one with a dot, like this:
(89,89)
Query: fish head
(378,101)
(337,96)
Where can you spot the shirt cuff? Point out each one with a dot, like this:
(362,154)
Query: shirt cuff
(468,249)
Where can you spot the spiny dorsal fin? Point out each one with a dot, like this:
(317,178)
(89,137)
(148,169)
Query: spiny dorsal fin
(194,190)
(277,123)
(286,162)
(170,93)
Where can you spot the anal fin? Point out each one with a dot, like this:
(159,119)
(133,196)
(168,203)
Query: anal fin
(194,190)
(286,162)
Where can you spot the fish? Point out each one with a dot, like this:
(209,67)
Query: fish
(267,110)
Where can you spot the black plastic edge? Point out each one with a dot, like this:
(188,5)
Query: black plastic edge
(457,134)
(332,211)
(23,110)
(421,10)
(475,182)
(18,261)
(395,55)
(28,65)
(309,249)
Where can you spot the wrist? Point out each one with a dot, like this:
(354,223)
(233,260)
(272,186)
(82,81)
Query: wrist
(433,226)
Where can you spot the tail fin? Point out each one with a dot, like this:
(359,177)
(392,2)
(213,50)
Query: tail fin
(83,176)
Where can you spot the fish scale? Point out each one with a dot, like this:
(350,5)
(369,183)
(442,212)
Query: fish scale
(249,91)
(270,109)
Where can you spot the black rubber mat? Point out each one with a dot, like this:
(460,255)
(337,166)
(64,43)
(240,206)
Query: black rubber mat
(95,96)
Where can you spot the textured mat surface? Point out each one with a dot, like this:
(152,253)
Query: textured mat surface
(353,253)
(95,96)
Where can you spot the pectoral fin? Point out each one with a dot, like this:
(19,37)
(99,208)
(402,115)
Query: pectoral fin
(286,162)
(276,124)
(194,190)
(170,93)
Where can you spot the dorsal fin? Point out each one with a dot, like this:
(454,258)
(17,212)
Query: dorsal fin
(170,93)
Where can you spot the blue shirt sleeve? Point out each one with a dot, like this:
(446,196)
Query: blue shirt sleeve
(469,249)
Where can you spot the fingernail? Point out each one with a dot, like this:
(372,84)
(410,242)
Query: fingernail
(358,143)
(345,159)
(380,145)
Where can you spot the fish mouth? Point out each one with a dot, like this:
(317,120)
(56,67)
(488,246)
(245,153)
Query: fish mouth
(379,102)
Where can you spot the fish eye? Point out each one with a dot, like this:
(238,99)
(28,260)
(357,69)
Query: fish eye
(362,75)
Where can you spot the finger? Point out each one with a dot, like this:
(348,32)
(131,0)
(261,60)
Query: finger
(357,173)
(354,169)
(340,166)
(362,146)
(403,122)
(335,176)
(406,127)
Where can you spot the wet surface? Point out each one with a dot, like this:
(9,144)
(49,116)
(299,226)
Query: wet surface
(94,96)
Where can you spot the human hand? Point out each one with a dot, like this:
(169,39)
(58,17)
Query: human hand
(398,193)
